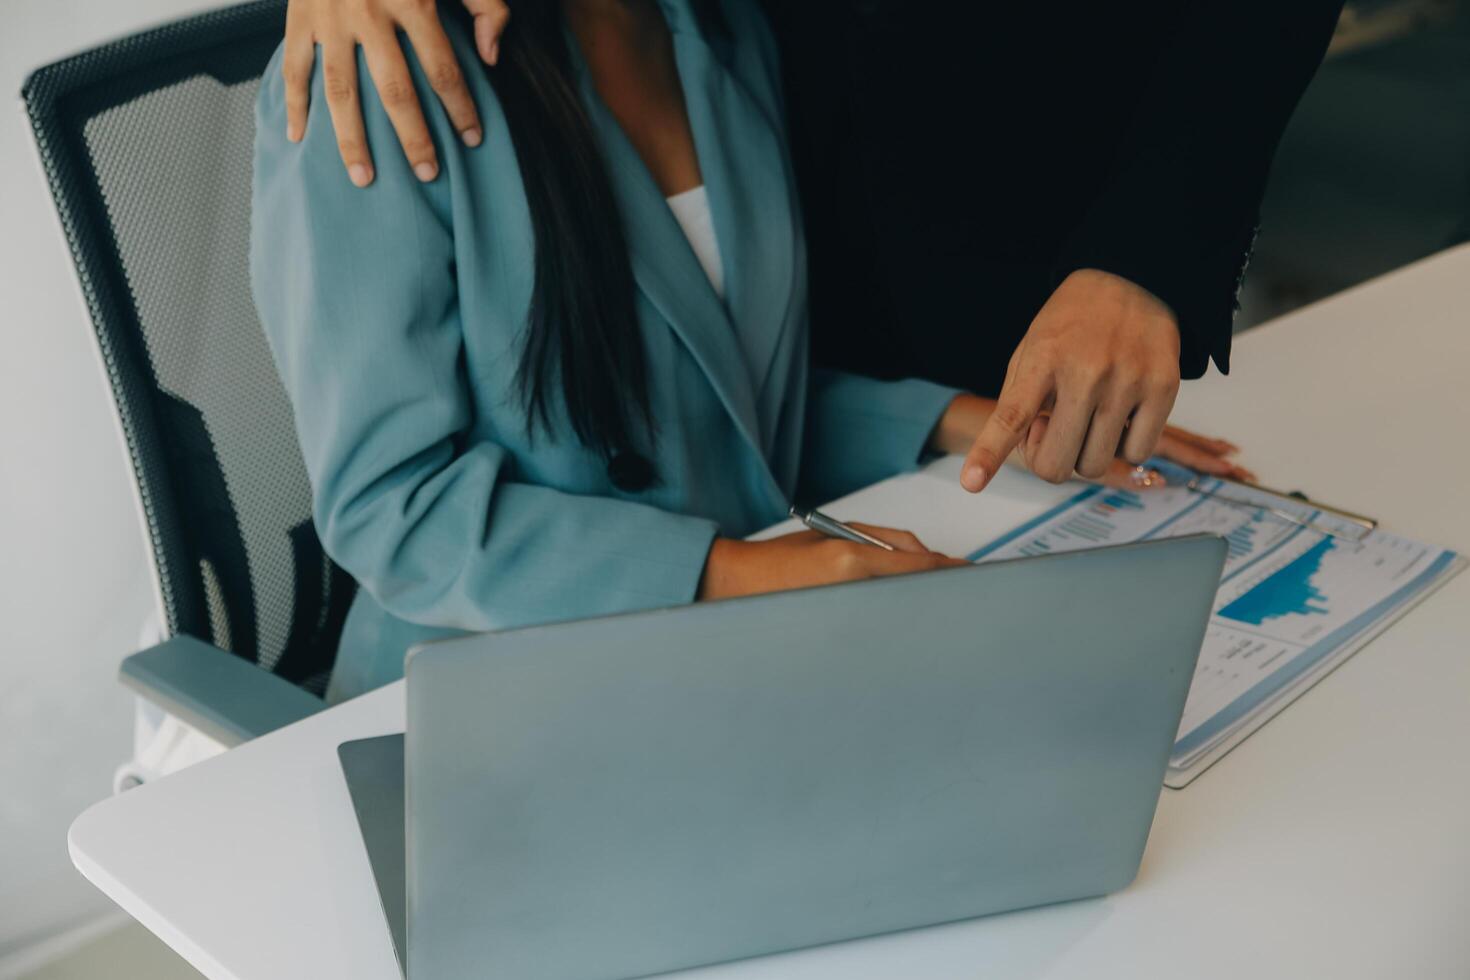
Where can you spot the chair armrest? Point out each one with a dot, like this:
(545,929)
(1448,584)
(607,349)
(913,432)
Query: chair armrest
(224,696)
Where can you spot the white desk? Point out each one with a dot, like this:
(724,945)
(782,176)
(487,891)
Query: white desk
(1334,843)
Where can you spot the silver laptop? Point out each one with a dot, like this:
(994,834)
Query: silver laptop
(617,797)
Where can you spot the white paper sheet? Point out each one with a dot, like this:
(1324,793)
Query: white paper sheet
(1293,601)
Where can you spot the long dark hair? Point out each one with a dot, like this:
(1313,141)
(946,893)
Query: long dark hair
(583,324)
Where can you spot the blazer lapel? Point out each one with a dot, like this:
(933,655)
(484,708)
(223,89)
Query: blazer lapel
(670,275)
(746,176)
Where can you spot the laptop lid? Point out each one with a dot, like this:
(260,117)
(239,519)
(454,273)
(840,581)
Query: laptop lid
(617,797)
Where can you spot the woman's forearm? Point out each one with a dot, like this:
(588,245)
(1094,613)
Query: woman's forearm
(961,423)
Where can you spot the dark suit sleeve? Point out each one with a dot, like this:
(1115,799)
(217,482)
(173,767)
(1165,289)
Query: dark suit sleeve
(1179,210)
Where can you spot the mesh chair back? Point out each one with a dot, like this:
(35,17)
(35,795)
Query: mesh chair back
(147,145)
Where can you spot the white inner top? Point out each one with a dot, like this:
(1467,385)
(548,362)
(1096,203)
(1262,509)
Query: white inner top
(691,210)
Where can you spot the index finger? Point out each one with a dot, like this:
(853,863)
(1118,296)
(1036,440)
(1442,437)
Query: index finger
(1018,406)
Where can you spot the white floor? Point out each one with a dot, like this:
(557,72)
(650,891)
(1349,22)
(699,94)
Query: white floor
(128,953)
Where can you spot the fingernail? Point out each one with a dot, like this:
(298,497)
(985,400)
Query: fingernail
(359,175)
(494,58)
(425,171)
(972,478)
(473,137)
(293,133)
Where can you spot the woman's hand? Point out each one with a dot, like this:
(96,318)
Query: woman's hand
(806,558)
(339,26)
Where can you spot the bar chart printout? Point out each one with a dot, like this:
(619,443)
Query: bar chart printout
(1294,601)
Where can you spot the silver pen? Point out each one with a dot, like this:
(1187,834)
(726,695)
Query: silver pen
(833,528)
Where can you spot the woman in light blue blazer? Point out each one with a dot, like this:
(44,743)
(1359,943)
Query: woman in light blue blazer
(552,383)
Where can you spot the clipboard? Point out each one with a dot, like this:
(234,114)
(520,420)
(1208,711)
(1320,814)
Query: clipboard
(1291,506)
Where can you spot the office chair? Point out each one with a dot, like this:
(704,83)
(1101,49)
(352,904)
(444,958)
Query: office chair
(146,143)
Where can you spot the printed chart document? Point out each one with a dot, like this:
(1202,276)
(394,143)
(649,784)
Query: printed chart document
(1294,601)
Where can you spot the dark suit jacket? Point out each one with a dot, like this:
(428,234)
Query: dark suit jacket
(958,159)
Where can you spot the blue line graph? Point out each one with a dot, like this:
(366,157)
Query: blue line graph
(1288,592)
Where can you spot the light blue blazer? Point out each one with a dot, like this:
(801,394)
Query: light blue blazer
(395,313)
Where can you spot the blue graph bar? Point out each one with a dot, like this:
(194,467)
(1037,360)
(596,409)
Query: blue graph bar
(1242,539)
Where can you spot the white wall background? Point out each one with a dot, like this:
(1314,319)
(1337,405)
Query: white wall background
(74,591)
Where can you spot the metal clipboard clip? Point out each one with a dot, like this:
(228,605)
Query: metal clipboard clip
(1354,527)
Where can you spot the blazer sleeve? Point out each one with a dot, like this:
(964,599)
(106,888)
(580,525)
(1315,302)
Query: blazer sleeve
(356,289)
(1180,208)
(860,430)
